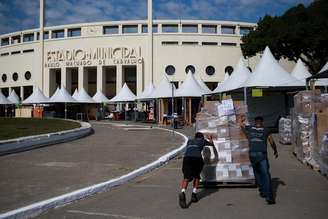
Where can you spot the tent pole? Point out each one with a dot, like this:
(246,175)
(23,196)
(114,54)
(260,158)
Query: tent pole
(190,111)
(65,110)
(245,95)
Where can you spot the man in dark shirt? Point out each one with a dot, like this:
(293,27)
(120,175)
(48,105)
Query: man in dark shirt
(258,136)
(192,166)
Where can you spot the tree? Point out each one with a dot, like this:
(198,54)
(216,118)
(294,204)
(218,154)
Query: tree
(299,33)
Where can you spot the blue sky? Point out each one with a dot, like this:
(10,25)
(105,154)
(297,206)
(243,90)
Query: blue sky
(18,15)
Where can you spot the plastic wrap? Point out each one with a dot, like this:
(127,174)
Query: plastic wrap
(323,158)
(305,137)
(285,131)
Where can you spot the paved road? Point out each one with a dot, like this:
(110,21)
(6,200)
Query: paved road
(301,193)
(111,151)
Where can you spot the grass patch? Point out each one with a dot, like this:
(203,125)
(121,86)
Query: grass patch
(21,127)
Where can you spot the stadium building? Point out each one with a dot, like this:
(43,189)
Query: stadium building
(104,55)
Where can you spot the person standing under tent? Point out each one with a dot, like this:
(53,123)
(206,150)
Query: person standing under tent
(258,136)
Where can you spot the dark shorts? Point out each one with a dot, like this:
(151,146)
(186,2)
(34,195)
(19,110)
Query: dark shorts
(191,167)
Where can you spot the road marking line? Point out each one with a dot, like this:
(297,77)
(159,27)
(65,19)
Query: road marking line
(103,214)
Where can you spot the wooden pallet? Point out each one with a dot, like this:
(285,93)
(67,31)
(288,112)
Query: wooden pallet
(241,183)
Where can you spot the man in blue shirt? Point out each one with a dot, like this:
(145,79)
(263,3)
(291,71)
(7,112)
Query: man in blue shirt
(192,166)
(258,136)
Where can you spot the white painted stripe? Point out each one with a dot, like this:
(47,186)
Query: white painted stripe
(39,207)
(103,214)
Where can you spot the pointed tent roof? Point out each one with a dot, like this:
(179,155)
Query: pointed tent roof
(268,73)
(125,95)
(163,89)
(99,97)
(202,84)
(13,97)
(300,72)
(147,92)
(36,97)
(324,68)
(75,94)
(4,100)
(218,87)
(83,97)
(237,78)
(190,87)
(62,96)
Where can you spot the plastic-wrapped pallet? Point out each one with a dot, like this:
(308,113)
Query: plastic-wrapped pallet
(228,160)
(285,131)
(323,159)
(306,137)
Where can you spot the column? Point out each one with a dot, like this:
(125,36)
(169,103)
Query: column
(237,30)
(65,33)
(80,78)
(119,78)
(21,38)
(101,79)
(218,29)
(140,79)
(63,75)
(69,80)
(50,34)
(139,28)
(46,85)
(22,93)
(200,30)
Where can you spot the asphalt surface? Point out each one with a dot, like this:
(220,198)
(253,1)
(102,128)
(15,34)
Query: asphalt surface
(112,151)
(300,193)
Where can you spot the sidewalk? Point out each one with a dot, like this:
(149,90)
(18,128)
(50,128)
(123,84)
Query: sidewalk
(301,193)
(112,151)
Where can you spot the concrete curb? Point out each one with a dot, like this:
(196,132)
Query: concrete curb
(37,141)
(42,206)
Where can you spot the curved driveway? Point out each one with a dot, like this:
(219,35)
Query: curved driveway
(111,151)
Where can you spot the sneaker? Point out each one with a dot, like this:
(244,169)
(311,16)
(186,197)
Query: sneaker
(271,201)
(182,200)
(194,197)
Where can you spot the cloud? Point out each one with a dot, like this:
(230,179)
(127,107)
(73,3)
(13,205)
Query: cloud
(22,14)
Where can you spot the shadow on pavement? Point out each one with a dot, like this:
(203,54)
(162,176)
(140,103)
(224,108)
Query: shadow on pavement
(204,192)
(276,182)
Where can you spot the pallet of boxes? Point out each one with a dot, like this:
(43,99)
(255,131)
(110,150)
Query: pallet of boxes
(228,161)
(310,129)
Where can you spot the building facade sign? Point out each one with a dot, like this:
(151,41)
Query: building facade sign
(92,57)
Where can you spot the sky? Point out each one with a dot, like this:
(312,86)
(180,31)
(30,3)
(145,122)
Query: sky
(16,15)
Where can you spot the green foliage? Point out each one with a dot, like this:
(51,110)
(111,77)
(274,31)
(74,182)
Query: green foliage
(299,33)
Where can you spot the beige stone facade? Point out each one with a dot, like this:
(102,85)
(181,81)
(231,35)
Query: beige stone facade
(102,56)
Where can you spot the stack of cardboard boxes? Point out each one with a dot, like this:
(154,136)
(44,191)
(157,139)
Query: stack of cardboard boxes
(285,131)
(228,161)
(309,124)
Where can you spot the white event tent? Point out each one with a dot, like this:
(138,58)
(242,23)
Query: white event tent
(147,92)
(62,96)
(13,97)
(36,97)
(4,100)
(218,87)
(163,89)
(99,97)
(236,80)
(190,87)
(125,95)
(300,72)
(82,96)
(75,94)
(322,81)
(268,73)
